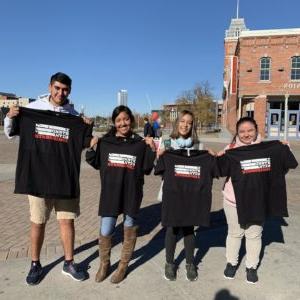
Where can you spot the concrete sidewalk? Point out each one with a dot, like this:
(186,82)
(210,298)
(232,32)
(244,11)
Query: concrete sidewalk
(278,273)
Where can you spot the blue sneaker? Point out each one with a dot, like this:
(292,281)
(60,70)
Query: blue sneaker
(71,269)
(35,274)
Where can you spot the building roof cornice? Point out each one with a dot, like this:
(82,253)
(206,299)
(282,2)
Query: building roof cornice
(270,32)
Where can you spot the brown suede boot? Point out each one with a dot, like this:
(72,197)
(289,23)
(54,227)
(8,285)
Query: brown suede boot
(104,255)
(130,234)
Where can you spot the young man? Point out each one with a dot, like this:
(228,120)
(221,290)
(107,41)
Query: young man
(66,209)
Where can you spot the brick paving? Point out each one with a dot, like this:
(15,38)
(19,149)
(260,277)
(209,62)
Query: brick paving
(14,214)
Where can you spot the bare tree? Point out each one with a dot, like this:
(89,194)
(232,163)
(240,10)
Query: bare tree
(200,101)
(204,108)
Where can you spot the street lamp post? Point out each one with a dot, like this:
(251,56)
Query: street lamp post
(286,100)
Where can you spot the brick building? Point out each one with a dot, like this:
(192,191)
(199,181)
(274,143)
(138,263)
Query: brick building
(170,111)
(8,99)
(262,79)
(173,109)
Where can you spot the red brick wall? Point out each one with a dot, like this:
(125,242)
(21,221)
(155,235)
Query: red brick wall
(232,114)
(230,46)
(249,51)
(229,50)
(231,117)
(280,49)
(260,107)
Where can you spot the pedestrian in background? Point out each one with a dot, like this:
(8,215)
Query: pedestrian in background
(148,129)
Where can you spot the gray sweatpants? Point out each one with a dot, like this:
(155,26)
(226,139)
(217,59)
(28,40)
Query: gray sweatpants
(235,234)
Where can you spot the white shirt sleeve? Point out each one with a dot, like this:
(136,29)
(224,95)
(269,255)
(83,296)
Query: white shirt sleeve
(7,127)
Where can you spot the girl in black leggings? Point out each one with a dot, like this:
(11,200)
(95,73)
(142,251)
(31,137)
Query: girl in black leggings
(183,137)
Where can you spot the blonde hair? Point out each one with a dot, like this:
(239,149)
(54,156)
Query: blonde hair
(193,132)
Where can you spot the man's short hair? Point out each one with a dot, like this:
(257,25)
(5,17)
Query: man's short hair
(62,78)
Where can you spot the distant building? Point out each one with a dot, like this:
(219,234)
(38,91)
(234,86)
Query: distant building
(174,108)
(219,111)
(8,99)
(262,79)
(123,97)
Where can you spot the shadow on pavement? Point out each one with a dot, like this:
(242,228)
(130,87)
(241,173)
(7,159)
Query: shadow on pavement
(148,219)
(83,265)
(272,233)
(206,238)
(49,267)
(224,294)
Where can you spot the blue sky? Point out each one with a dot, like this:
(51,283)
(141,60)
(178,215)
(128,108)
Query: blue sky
(157,48)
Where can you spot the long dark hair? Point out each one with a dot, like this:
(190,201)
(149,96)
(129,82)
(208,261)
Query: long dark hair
(240,122)
(192,133)
(119,109)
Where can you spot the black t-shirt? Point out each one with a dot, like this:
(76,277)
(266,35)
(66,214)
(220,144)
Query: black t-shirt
(49,153)
(258,176)
(186,199)
(122,163)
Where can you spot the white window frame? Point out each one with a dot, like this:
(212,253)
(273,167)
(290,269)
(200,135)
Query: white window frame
(295,69)
(264,69)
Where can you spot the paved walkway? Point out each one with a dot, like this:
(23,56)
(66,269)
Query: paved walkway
(280,255)
(14,228)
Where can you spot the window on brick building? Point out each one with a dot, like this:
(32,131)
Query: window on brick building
(295,70)
(265,63)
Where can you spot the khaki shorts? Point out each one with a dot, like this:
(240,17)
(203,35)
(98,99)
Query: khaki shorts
(41,208)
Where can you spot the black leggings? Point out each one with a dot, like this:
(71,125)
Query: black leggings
(189,243)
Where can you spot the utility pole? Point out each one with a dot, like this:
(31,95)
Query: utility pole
(82,110)
(107,122)
(1,118)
